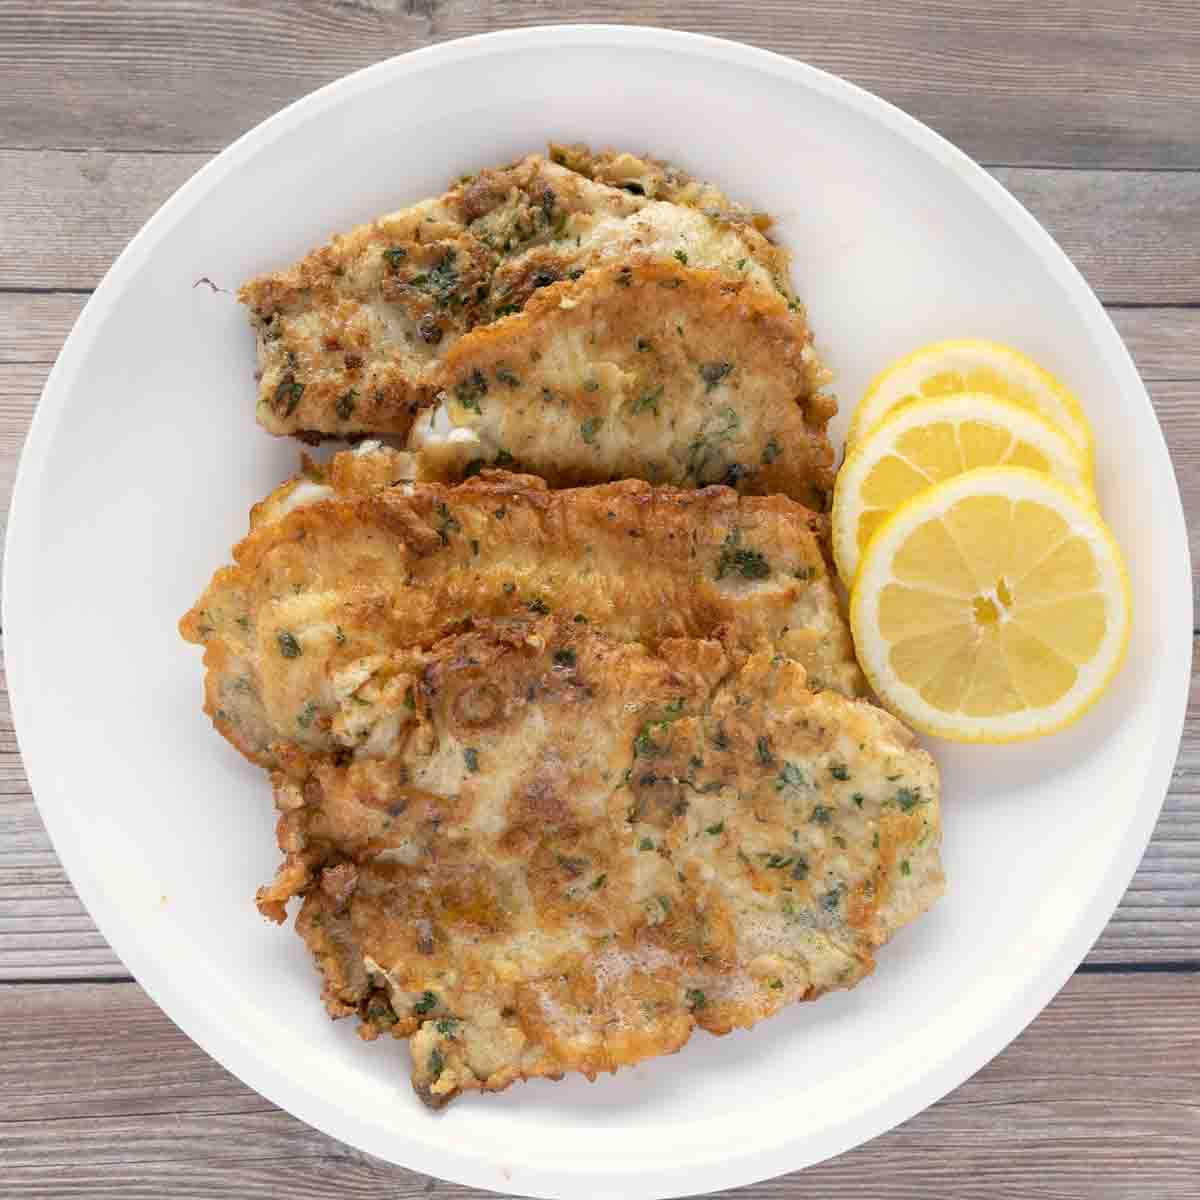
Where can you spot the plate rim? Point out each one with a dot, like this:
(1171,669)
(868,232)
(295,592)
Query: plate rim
(287,1089)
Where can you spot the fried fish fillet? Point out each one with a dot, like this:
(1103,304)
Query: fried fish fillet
(341,573)
(656,371)
(351,338)
(579,850)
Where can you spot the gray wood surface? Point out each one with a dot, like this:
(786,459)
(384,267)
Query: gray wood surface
(1098,1099)
(1088,112)
(66,214)
(1076,82)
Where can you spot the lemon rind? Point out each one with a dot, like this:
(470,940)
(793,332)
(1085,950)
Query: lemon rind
(1076,427)
(1006,481)
(1035,427)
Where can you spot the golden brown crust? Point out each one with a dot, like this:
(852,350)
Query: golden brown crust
(351,337)
(302,632)
(612,848)
(655,371)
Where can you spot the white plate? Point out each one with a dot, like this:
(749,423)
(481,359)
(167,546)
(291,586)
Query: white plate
(144,459)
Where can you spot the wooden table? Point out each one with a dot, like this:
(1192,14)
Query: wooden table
(1088,112)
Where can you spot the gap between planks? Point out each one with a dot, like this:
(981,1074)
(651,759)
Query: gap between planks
(1080,83)
(1163,339)
(103,1091)
(64,217)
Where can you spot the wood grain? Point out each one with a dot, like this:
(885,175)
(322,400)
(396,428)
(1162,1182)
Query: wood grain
(1164,341)
(1087,109)
(64,216)
(1097,1098)
(1078,83)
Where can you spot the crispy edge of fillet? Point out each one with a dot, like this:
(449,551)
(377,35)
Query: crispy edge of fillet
(340,572)
(582,851)
(653,370)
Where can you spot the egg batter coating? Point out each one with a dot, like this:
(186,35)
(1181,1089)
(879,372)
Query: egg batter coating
(655,371)
(344,570)
(352,337)
(580,850)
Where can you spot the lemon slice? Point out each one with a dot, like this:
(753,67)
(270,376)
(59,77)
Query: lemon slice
(972,365)
(930,440)
(992,607)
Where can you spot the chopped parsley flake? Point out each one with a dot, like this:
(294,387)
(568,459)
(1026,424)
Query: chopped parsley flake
(719,827)
(449,523)
(840,772)
(647,400)
(789,776)
(645,844)
(737,559)
(681,255)
(288,646)
(589,428)
(427,1003)
(564,658)
(471,758)
(471,390)
(905,869)
(821,815)
(696,999)
(345,405)
(380,1012)
(713,373)
(764,750)
(437,1064)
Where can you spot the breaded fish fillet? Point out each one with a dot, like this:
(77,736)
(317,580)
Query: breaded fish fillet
(579,850)
(351,338)
(341,572)
(656,371)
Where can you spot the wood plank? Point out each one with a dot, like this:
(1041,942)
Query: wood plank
(1096,1098)
(1084,82)
(64,216)
(1164,342)
(33,326)
(1177,405)
(1134,235)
